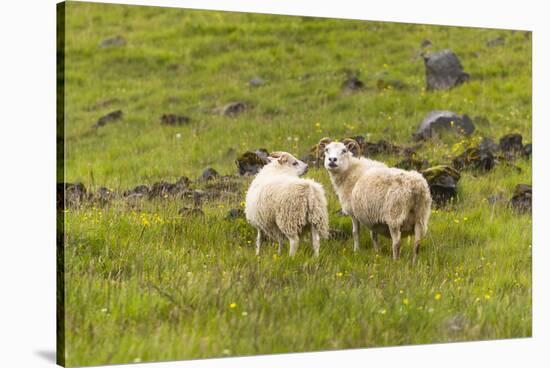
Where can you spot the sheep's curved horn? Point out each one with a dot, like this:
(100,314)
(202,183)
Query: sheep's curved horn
(323,142)
(276,154)
(352,146)
(282,157)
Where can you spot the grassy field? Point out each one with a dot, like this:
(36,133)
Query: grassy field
(144,283)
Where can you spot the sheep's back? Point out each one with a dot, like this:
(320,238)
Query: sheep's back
(281,205)
(386,196)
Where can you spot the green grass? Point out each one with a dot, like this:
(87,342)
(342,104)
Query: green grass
(144,283)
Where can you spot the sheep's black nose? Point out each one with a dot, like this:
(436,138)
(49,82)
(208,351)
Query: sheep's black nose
(332,159)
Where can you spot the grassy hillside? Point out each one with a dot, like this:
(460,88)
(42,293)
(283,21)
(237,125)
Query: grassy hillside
(145,283)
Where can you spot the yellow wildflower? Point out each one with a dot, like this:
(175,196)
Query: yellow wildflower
(233,305)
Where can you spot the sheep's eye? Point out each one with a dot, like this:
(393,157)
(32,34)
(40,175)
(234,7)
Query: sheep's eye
(344,150)
(295,164)
(326,150)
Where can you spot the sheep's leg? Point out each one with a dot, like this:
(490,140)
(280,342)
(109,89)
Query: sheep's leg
(294,241)
(258,242)
(315,241)
(280,246)
(395,233)
(417,238)
(355,231)
(374,237)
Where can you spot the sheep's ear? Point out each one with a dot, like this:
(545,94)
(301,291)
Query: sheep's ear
(352,146)
(323,142)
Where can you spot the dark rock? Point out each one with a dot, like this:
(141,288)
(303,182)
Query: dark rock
(110,117)
(104,195)
(476,158)
(224,184)
(522,199)
(197,195)
(161,189)
(487,144)
(262,153)
(209,174)
(235,213)
(164,189)
(439,120)
(113,42)
(511,144)
(443,70)
(382,84)
(74,193)
(498,41)
(527,149)
(70,195)
(413,163)
(352,84)
(183,182)
(337,234)
(190,211)
(234,108)
(250,163)
(256,82)
(425,43)
(380,147)
(443,182)
(173,119)
(138,191)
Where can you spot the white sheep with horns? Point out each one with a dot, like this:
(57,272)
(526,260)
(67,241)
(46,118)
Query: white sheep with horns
(389,201)
(281,205)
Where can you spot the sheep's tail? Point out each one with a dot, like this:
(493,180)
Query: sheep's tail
(422,203)
(317,209)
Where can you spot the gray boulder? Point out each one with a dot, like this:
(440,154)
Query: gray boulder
(443,70)
(440,120)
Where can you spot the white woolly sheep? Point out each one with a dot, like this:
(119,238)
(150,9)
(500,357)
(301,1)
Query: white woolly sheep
(389,201)
(279,204)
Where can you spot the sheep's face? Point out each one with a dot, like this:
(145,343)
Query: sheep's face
(284,161)
(337,156)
